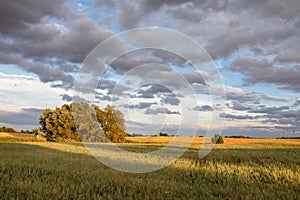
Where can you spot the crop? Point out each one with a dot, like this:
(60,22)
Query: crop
(44,170)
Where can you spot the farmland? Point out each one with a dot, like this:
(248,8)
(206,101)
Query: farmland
(238,169)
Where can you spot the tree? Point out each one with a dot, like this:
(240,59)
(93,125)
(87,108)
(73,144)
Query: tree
(217,139)
(87,123)
(92,123)
(112,123)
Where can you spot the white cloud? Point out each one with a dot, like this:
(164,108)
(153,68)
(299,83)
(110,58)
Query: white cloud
(19,91)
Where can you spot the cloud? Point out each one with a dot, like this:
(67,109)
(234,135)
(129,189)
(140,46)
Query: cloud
(26,116)
(269,110)
(261,71)
(141,105)
(240,107)
(66,97)
(150,111)
(238,117)
(290,55)
(139,57)
(31,40)
(149,90)
(296,104)
(18,15)
(170,99)
(243,97)
(203,108)
(289,118)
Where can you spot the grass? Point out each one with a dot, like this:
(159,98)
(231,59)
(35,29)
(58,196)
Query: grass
(42,170)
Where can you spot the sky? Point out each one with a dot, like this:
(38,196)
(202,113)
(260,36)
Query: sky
(246,74)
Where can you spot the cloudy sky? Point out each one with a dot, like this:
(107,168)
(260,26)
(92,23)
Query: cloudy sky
(254,45)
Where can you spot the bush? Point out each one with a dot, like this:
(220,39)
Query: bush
(217,139)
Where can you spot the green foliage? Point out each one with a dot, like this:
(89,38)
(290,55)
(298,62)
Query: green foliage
(217,139)
(92,123)
(7,130)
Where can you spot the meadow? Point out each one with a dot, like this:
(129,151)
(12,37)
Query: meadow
(257,169)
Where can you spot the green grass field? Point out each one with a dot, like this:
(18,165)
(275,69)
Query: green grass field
(43,170)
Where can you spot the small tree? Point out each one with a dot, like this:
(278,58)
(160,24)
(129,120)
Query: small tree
(217,139)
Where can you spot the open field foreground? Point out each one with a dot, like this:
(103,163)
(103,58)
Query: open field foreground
(44,170)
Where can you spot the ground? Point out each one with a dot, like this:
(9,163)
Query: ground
(238,169)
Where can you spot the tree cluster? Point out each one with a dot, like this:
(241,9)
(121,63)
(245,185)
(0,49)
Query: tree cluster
(7,130)
(83,122)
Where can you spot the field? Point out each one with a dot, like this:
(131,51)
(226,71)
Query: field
(238,169)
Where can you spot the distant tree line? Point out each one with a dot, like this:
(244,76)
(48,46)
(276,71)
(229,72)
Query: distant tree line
(237,136)
(92,123)
(7,130)
(163,134)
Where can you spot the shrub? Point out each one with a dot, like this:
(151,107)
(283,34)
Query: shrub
(217,139)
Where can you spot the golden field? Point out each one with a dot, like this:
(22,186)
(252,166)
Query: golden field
(199,140)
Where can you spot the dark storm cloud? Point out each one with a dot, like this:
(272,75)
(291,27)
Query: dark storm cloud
(27,116)
(262,71)
(203,108)
(156,111)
